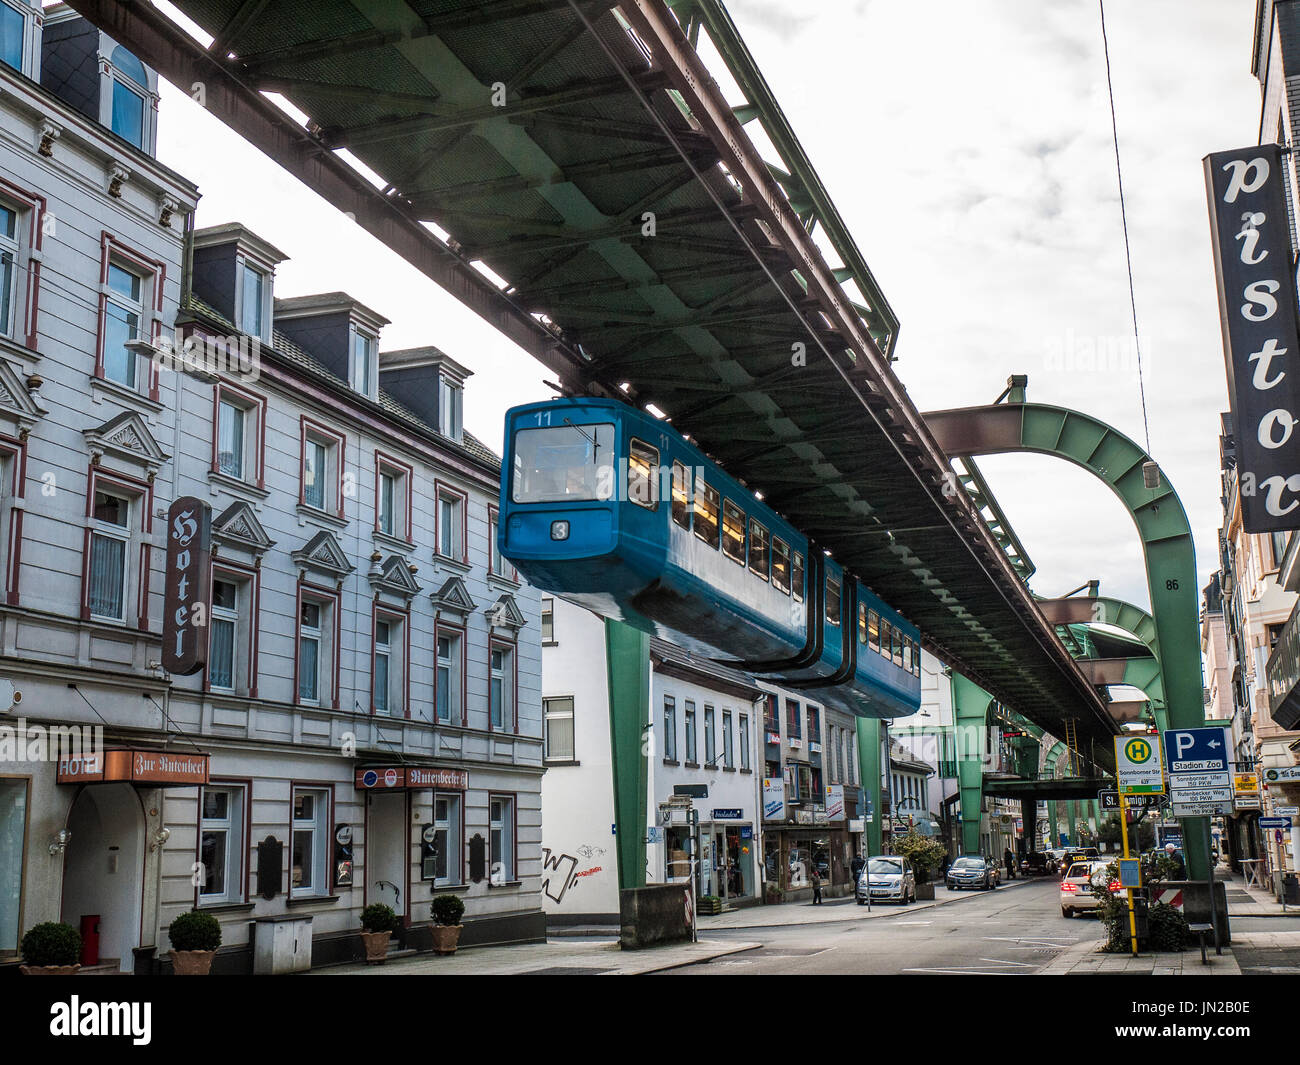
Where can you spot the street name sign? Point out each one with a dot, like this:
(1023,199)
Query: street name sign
(1286,811)
(1137,766)
(1274,822)
(1108,798)
(1200,784)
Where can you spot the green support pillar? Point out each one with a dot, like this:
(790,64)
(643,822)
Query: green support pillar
(970,704)
(1029,821)
(869,773)
(1053,829)
(1072,827)
(627,660)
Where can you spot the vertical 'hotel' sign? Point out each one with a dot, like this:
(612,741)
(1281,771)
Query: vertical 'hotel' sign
(186,606)
(1257,308)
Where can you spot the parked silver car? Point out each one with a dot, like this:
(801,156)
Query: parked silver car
(972,871)
(887,878)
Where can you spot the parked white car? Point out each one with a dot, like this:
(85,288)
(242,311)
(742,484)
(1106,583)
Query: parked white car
(887,878)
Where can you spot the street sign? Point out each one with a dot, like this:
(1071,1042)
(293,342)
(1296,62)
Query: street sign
(1200,784)
(1286,811)
(1274,822)
(1276,776)
(1245,782)
(1108,798)
(1130,873)
(1137,765)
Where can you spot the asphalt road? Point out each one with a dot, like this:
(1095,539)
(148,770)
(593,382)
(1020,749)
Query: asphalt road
(1010,931)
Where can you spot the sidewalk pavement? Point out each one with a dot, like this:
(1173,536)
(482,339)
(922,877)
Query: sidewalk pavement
(1261,902)
(832,910)
(1086,958)
(563,957)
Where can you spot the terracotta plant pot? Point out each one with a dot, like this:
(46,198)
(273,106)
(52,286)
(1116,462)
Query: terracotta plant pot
(376,946)
(445,938)
(192,962)
(49,970)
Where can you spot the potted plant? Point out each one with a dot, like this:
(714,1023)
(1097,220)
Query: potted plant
(925,854)
(51,949)
(709,905)
(195,938)
(447,911)
(378,922)
(772,894)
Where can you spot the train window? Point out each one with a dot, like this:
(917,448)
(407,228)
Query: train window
(886,637)
(873,630)
(733,531)
(907,654)
(706,513)
(832,600)
(642,474)
(916,659)
(780,565)
(681,495)
(563,463)
(796,577)
(898,648)
(758,554)
(862,623)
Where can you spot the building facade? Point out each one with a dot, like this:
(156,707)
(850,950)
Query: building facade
(367,727)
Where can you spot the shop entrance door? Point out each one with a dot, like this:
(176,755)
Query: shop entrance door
(103,868)
(387,849)
(720,864)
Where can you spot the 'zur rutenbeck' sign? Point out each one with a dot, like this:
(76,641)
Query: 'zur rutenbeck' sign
(1257,309)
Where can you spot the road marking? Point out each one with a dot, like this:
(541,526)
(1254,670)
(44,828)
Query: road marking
(975,970)
(915,922)
(1000,961)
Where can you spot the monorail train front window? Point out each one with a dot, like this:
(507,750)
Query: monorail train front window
(564,463)
(832,601)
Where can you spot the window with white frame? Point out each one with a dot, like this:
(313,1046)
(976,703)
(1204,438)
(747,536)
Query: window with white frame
(311,842)
(443,867)
(548,622)
(388,684)
(130,98)
(252,300)
(728,754)
(386,503)
(10,319)
(230,439)
(690,731)
(498,565)
(223,649)
(123,313)
(109,568)
(320,465)
(315,651)
(13,37)
(392,498)
(449,408)
(501,684)
(364,346)
(451,524)
(710,739)
(447,682)
(221,843)
(558,714)
(744,741)
(670,729)
(501,830)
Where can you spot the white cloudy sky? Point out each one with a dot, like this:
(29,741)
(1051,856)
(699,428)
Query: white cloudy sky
(967,144)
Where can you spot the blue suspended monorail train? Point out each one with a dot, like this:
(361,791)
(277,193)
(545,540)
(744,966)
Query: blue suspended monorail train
(613,509)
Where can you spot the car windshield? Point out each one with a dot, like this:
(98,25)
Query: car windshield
(565,463)
(884,867)
(968,863)
(1077,871)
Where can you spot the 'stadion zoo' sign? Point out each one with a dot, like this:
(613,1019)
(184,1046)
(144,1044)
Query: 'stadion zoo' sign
(1257,308)
(187,601)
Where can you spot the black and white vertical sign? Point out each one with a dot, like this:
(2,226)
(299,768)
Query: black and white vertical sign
(1257,308)
(187,597)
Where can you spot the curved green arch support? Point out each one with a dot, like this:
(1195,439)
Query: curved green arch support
(1132,619)
(1018,426)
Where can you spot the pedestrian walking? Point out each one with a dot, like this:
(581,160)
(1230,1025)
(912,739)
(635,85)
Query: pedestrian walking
(817,887)
(856,865)
(1180,867)
(1010,860)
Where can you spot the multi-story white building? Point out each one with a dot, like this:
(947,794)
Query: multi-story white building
(368,724)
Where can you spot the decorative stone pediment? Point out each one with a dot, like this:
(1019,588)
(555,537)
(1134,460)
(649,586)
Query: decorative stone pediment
(453,598)
(19,410)
(505,614)
(237,526)
(395,578)
(126,440)
(323,554)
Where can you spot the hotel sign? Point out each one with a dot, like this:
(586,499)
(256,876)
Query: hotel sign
(135,767)
(1257,310)
(187,595)
(410,777)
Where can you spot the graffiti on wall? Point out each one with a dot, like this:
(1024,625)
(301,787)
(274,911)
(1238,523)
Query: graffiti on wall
(560,872)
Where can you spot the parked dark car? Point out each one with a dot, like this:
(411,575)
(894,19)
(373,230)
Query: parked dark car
(1035,864)
(972,871)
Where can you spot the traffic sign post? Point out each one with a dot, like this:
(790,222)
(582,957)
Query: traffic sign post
(1138,766)
(1128,888)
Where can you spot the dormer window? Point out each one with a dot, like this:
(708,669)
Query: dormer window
(130,89)
(252,301)
(13,30)
(364,348)
(449,408)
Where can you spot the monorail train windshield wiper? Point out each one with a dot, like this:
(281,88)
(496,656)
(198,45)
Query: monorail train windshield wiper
(595,444)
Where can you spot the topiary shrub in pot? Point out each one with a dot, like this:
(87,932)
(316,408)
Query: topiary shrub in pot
(51,948)
(195,938)
(447,911)
(378,922)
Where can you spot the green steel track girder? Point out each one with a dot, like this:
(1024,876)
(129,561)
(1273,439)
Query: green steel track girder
(627,662)
(869,770)
(970,705)
(1157,512)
